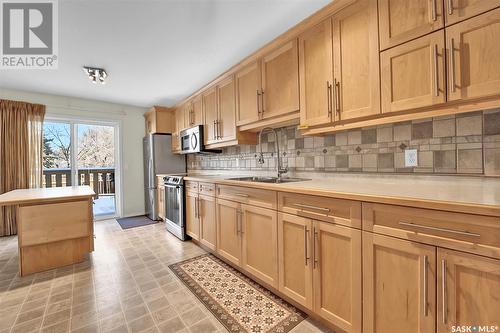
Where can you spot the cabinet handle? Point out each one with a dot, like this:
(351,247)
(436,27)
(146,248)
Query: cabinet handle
(315,252)
(337,97)
(434,10)
(329,97)
(305,244)
(241,195)
(196,207)
(327,210)
(262,109)
(426,264)
(443,282)
(214,132)
(258,104)
(436,71)
(451,231)
(218,130)
(241,222)
(452,64)
(450,7)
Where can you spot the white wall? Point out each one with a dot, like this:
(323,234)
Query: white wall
(131,122)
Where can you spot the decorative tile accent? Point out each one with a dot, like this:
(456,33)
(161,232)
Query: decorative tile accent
(447,144)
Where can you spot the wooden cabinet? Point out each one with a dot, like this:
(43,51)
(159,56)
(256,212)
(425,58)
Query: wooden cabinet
(468,289)
(401,21)
(211,115)
(208,225)
(259,239)
(474,57)
(192,215)
(459,10)
(399,291)
(356,82)
(316,75)
(195,112)
(160,194)
(248,94)
(280,81)
(226,123)
(228,230)
(295,258)
(160,120)
(413,74)
(179,126)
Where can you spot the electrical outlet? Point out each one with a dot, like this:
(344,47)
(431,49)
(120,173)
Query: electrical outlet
(411,158)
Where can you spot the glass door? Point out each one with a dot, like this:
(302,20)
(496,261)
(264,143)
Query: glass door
(57,154)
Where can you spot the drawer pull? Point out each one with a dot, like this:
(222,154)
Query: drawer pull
(451,231)
(241,195)
(312,207)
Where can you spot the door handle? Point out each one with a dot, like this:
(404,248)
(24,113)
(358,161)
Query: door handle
(262,102)
(214,137)
(426,287)
(258,104)
(337,97)
(450,7)
(434,10)
(452,64)
(436,71)
(443,294)
(315,251)
(306,257)
(329,97)
(196,207)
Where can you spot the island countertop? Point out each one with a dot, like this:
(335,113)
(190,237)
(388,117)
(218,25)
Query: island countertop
(475,195)
(42,195)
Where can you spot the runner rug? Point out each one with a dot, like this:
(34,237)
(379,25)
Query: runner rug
(239,303)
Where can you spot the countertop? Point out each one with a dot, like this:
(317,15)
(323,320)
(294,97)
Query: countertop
(476,195)
(40,195)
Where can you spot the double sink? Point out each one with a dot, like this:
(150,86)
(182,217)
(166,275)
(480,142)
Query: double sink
(269,180)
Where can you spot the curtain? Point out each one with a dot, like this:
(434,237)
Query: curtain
(20,153)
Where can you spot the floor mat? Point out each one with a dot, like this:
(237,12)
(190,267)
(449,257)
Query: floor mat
(239,303)
(134,221)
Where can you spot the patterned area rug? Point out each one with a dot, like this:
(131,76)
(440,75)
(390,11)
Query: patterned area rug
(239,303)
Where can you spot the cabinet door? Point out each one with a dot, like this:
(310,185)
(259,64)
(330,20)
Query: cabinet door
(401,21)
(468,290)
(280,81)
(356,61)
(316,75)
(259,233)
(211,115)
(228,230)
(294,258)
(474,60)
(337,275)
(161,201)
(459,10)
(398,280)
(208,225)
(179,125)
(226,123)
(192,218)
(412,74)
(248,97)
(196,111)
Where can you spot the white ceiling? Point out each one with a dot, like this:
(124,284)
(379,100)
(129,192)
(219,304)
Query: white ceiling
(156,52)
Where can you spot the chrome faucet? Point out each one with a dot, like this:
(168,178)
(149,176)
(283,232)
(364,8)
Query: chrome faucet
(280,169)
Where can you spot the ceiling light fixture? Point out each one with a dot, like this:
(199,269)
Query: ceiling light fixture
(96,74)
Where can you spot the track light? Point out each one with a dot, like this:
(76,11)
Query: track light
(96,74)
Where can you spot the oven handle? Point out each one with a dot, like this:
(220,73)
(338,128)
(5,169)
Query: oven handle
(172,186)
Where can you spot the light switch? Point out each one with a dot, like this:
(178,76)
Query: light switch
(411,157)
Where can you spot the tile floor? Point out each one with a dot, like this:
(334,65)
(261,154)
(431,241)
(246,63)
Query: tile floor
(126,286)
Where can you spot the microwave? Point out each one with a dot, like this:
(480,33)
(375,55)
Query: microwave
(192,141)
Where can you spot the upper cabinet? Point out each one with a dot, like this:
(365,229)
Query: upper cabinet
(339,67)
(401,21)
(474,56)
(160,120)
(226,123)
(412,74)
(211,114)
(459,10)
(268,87)
(194,112)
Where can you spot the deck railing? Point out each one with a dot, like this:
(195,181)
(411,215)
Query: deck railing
(102,180)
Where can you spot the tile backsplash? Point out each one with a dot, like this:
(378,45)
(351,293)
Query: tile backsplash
(463,144)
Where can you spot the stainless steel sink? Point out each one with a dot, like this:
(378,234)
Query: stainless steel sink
(271,180)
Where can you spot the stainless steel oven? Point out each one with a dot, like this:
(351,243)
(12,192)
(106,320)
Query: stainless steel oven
(174,206)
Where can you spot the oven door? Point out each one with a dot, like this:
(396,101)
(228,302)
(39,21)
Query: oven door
(191,141)
(174,204)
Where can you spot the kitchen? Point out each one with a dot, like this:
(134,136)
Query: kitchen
(342,176)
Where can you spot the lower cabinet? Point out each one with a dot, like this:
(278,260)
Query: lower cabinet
(192,215)
(247,237)
(320,268)
(208,227)
(399,291)
(468,291)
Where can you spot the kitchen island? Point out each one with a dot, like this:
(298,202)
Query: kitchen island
(54,226)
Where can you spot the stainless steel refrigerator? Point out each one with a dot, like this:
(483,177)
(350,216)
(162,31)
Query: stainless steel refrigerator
(158,159)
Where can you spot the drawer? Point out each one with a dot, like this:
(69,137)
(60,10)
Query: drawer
(191,186)
(467,232)
(339,211)
(248,195)
(207,188)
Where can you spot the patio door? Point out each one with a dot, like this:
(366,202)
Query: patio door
(83,153)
